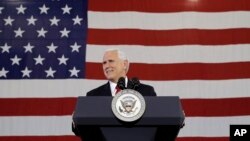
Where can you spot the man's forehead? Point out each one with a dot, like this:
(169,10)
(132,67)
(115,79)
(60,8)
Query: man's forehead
(110,54)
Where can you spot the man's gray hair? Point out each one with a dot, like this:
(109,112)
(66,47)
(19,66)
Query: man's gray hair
(121,55)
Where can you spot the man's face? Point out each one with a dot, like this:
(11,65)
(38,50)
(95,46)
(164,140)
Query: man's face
(113,66)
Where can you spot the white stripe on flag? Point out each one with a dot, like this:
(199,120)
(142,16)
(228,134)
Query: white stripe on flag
(175,54)
(168,21)
(35,125)
(211,126)
(75,87)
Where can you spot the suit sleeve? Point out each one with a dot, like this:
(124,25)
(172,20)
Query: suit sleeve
(152,92)
(146,90)
(75,130)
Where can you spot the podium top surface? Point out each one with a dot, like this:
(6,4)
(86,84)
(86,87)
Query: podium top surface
(159,111)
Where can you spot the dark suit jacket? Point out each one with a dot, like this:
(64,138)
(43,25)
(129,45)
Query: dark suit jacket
(104,90)
(94,133)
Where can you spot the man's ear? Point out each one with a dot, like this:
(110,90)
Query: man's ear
(125,64)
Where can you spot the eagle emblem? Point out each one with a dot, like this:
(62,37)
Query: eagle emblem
(127,106)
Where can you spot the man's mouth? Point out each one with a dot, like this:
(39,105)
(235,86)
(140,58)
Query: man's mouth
(109,71)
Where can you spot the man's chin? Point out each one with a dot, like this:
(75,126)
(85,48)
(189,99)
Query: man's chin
(110,78)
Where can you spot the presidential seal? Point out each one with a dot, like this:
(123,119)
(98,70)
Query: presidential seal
(128,105)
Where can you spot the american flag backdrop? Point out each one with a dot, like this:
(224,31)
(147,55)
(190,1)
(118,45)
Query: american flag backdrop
(51,52)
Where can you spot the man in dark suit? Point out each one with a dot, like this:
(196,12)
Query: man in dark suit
(115,65)
(105,90)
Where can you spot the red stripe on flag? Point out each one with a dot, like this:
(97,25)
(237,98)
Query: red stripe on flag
(169,5)
(36,106)
(216,107)
(181,71)
(168,37)
(74,138)
(203,138)
(57,106)
(39,138)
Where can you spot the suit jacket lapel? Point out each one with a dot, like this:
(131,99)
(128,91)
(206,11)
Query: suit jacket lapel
(107,90)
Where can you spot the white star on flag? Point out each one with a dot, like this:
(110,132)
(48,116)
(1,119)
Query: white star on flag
(63,60)
(31,20)
(19,32)
(41,33)
(1,8)
(39,60)
(28,48)
(50,72)
(44,9)
(15,60)
(8,21)
(3,73)
(21,9)
(65,32)
(74,72)
(75,47)
(77,20)
(52,48)
(26,72)
(66,9)
(5,48)
(54,21)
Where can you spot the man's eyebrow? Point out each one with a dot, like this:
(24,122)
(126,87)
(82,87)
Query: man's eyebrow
(110,60)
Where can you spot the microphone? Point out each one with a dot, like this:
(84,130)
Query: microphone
(121,83)
(136,83)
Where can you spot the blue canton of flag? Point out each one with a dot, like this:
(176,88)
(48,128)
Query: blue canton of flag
(42,39)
